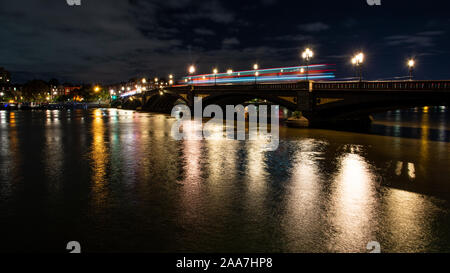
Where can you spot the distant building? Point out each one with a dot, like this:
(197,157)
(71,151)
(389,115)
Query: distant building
(62,90)
(69,89)
(5,77)
(10,91)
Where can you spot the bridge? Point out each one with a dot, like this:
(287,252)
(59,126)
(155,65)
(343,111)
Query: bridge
(318,101)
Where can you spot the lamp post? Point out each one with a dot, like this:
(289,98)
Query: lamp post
(215,71)
(256,67)
(411,64)
(170,79)
(307,56)
(191,71)
(358,61)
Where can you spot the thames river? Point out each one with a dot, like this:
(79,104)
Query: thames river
(115,180)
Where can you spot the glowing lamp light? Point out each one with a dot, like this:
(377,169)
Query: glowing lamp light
(255,66)
(411,63)
(358,59)
(229,71)
(307,54)
(191,69)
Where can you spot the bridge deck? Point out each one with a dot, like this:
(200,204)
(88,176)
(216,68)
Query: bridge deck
(326,85)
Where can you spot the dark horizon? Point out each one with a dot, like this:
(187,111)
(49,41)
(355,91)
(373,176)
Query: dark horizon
(101,42)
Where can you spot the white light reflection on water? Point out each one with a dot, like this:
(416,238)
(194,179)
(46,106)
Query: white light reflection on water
(304,213)
(353,201)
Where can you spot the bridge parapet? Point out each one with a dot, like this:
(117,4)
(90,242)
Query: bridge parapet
(245,87)
(318,86)
(384,85)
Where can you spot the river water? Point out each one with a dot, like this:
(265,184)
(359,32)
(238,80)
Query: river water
(115,180)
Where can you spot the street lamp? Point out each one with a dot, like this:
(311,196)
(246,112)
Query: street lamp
(229,71)
(191,71)
(144,80)
(215,71)
(411,64)
(256,67)
(307,56)
(358,61)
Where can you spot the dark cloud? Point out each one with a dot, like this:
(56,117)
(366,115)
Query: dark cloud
(112,41)
(314,27)
(204,31)
(230,42)
(421,39)
(211,10)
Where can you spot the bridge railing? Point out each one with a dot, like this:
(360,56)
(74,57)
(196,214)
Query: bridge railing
(265,86)
(317,86)
(391,85)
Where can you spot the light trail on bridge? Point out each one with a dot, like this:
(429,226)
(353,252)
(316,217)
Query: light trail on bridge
(269,75)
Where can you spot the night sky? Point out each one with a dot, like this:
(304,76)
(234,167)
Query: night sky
(113,40)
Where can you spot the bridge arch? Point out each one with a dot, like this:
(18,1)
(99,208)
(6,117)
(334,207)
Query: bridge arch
(132,102)
(240,98)
(361,110)
(162,102)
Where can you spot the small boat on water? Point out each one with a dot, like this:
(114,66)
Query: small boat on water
(299,122)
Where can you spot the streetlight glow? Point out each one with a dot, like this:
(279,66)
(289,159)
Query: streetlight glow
(229,71)
(191,69)
(357,60)
(215,71)
(255,66)
(411,64)
(307,55)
